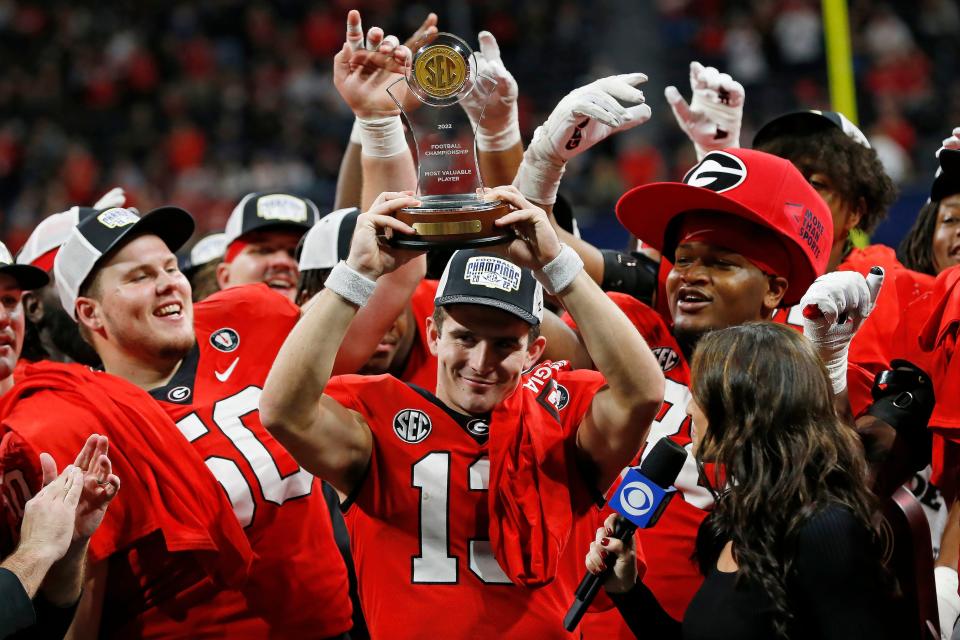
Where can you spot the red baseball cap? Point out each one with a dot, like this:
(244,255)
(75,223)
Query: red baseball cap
(752,185)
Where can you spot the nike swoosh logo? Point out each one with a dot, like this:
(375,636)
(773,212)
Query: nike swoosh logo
(222,377)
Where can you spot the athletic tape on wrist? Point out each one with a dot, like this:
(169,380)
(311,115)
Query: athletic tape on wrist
(538,180)
(382,137)
(559,273)
(350,285)
(499,140)
(499,136)
(355,133)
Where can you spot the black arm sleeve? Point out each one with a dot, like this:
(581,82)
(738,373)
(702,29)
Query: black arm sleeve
(16,610)
(644,615)
(837,579)
(635,275)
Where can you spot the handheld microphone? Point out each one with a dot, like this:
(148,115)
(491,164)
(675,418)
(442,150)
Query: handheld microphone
(640,499)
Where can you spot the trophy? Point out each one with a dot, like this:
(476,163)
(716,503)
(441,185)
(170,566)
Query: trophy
(452,213)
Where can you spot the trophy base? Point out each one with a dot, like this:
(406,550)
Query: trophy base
(449,223)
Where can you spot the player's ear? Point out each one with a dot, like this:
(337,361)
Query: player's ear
(223,275)
(776,289)
(88,314)
(433,335)
(535,349)
(32,306)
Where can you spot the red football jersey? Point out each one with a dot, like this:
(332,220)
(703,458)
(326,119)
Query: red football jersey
(421,367)
(667,547)
(299,575)
(420,520)
(169,537)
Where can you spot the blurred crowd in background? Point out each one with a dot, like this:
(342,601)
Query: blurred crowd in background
(199,103)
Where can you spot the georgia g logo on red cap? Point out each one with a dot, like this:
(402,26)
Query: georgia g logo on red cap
(718,171)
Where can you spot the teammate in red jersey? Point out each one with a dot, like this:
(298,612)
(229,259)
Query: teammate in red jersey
(740,249)
(455,493)
(206,365)
(261,236)
(177,555)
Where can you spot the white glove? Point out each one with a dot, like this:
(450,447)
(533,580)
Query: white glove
(113,198)
(834,307)
(582,119)
(948,602)
(953,142)
(500,128)
(713,117)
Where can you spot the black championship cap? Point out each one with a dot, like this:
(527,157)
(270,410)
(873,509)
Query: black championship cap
(808,122)
(257,211)
(96,236)
(480,277)
(27,276)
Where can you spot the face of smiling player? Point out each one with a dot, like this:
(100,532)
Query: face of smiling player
(711,287)
(138,307)
(268,257)
(482,352)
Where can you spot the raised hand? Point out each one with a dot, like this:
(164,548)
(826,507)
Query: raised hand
(370,255)
(364,69)
(99,484)
(499,129)
(953,142)
(712,119)
(582,119)
(48,517)
(834,307)
(536,242)
(424,32)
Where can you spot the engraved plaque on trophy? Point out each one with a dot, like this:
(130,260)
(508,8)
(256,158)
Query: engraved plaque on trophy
(452,214)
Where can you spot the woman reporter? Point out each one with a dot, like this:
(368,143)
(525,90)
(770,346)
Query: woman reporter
(789,551)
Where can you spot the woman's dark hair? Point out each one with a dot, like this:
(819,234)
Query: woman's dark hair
(916,248)
(855,170)
(781,452)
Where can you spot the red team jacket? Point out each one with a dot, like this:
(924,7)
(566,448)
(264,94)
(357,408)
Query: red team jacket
(298,577)
(451,508)
(177,556)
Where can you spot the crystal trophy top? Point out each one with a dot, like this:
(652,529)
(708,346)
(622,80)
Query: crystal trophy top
(452,214)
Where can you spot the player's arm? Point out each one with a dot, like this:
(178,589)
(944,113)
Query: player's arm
(350,176)
(327,439)
(363,70)
(583,118)
(620,414)
(86,621)
(372,322)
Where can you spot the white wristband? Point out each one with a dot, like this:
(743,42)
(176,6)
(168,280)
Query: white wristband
(559,273)
(355,132)
(499,136)
(539,180)
(382,137)
(350,285)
